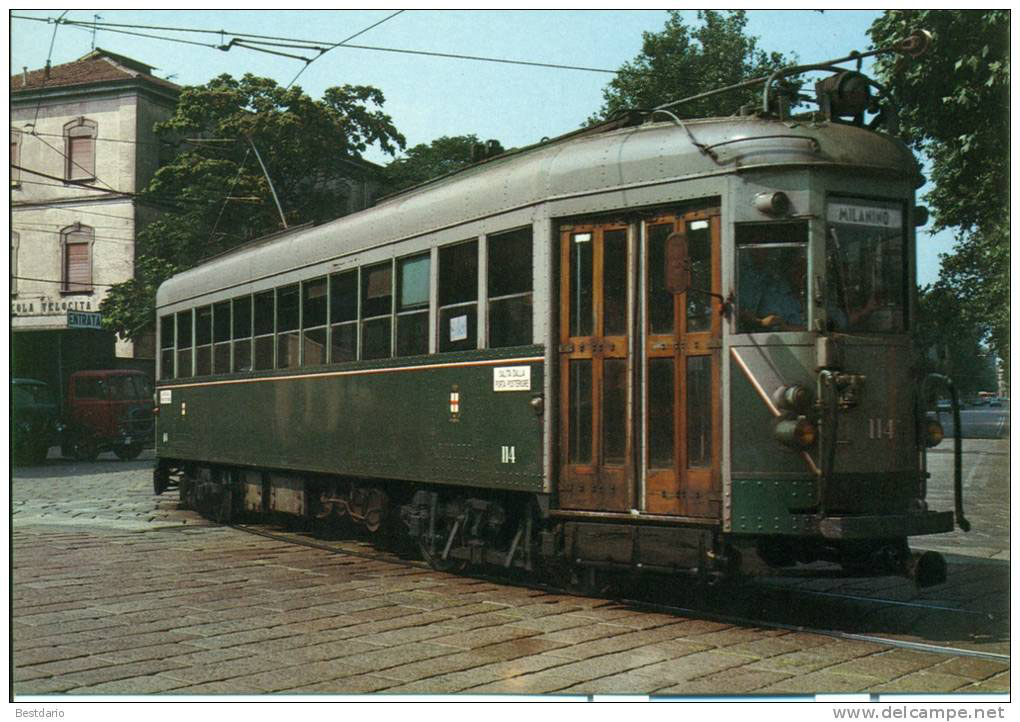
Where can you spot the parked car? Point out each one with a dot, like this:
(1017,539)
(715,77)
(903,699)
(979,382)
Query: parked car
(108,410)
(35,424)
(995,402)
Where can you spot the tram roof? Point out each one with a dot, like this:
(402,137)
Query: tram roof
(582,163)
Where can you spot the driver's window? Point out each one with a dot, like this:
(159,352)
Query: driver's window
(771,277)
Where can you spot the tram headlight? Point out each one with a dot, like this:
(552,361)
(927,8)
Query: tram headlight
(798,433)
(933,433)
(774,203)
(793,398)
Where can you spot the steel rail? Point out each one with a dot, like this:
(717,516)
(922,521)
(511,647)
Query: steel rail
(658,607)
(850,636)
(881,601)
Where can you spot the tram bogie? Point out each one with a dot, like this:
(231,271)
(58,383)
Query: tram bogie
(670,346)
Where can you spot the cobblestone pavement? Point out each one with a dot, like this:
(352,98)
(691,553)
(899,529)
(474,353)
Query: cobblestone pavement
(116,591)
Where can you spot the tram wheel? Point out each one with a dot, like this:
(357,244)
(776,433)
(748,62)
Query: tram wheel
(432,548)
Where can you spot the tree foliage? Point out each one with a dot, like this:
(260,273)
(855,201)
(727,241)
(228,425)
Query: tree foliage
(443,155)
(954,107)
(214,195)
(682,61)
(949,343)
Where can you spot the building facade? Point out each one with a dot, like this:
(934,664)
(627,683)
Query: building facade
(82,146)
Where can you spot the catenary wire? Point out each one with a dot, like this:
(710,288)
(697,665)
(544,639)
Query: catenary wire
(61,283)
(312,45)
(345,40)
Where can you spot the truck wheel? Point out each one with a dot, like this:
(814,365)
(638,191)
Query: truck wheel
(84,450)
(38,453)
(127,452)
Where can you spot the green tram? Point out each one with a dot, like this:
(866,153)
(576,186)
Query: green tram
(659,344)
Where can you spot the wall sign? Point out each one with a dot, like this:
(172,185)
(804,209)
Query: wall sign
(47,306)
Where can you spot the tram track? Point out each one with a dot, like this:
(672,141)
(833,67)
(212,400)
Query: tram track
(392,558)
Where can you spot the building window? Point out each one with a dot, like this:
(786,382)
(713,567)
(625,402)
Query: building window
(80,149)
(76,242)
(510,286)
(458,297)
(15,242)
(15,158)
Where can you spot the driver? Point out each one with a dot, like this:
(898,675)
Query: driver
(771,292)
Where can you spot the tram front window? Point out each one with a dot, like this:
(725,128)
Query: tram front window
(865,266)
(771,277)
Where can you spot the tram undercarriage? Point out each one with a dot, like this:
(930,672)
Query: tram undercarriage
(454,528)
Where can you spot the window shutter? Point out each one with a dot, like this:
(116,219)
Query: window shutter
(82,157)
(77,267)
(15,157)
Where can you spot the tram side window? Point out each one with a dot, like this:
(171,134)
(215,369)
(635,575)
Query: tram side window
(510,281)
(377,311)
(242,333)
(263,326)
(343,316)
(313,321)
(458,297)
(771,277)
(203,341)
(166,347)
(288,323)
(183,345)
(413,305)
(221,337)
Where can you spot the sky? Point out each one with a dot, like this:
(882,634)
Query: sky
(429,97)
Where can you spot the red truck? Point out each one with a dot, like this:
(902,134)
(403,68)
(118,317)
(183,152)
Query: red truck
(107,410)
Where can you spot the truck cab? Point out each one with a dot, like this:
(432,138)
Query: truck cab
(34,420)
(108,410)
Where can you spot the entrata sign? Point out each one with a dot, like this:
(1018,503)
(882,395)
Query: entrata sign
(84,319)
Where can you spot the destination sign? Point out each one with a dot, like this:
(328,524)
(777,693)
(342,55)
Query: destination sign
(862,215)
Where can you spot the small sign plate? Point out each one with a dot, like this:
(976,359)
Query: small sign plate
(165,396)
(458,328)
(84,319)
(861,215)
(511,378)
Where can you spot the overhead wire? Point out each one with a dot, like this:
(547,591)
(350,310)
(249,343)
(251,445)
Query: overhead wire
(311,44)
(342,42)
(96,237)
(66,157)
(61,283)
(49,57)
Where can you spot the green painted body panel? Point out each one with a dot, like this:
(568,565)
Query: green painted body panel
(763,506)
(398,420)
